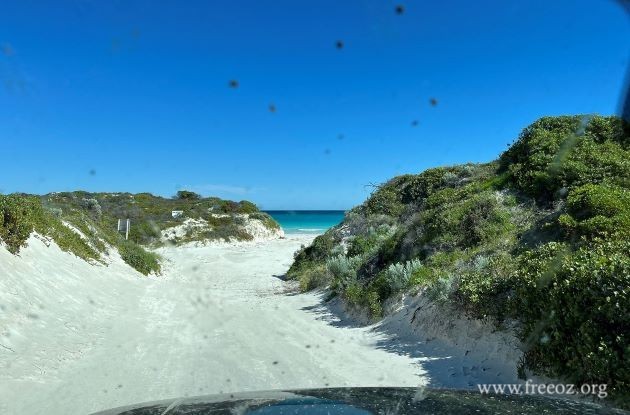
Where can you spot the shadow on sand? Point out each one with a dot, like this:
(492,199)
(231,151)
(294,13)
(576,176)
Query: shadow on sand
(442,364)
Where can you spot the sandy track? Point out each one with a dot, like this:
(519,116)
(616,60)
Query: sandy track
(77,338)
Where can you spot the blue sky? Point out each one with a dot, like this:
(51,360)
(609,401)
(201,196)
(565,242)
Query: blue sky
(134,96)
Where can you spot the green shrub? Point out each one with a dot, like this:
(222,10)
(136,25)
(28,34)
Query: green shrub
(576,314)
(343,270)
(228,206)
(393,197)
(391,280)
(597,210)
(484,288)
(381,286)
(317,253)
(17,218)
(367,298)
(557,152)
(141,260)
(247,207)
(441,290)
(144,232)
(482,221)
(67,239)
(386,201)
(389,249)
(465,223)
(93,206)
(266,219)
(21,214)
(398,276)
(373,304)
(423,276)
(186,195)
(363,244)
(496,182)
(314,278)
(353,294)
(598,200)
(602,226)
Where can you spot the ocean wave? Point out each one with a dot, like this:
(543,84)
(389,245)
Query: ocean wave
(311,229)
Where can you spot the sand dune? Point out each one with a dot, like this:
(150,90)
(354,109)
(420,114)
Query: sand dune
(78,338)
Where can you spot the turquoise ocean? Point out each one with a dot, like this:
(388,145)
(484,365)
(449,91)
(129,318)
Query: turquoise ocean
(307,221)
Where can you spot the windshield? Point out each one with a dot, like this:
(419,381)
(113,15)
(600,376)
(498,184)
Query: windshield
(224,197)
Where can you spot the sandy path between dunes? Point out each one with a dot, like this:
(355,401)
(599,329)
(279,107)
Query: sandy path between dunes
(78,338)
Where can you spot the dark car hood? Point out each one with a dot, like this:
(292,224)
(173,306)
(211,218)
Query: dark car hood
(362,401)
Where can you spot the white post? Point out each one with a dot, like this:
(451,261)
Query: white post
(127,230)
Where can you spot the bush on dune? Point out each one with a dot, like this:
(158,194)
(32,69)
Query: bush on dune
(247,207)
(17,220)
(575,312)
(313,278)
(540,236)
(143,261)
(266,219)
(20,215)
(187,195)
(150,214)
(598,210)
(95,215)
(558,152)
(343,269)
(67,239)
(398,276)
(317,253)
(474,220)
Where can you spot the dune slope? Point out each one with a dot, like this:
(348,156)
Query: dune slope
(78,338)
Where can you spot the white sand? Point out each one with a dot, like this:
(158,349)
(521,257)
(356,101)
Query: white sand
(77,338)
(254,227)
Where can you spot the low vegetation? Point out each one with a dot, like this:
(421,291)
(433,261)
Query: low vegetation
(20,215)
(85,224)
(541,236)
(150,215)
(142,260)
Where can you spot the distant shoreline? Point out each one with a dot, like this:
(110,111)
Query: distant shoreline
(298,211)
(306,222)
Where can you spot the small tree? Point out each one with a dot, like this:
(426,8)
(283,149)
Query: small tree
(186,195)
